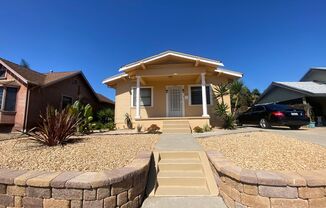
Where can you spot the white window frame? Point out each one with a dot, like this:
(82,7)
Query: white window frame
(199,85)
(132,96)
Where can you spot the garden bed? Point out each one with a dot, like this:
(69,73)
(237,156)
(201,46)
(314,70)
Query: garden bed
(268,151)
(91,153)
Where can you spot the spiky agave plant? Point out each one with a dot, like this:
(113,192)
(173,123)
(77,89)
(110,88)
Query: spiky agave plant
(55,128)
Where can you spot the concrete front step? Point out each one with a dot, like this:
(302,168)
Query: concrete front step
(178,174)
(179,155)
(176,127)
(181,181)
(180,167)
(182,191)
(183,173)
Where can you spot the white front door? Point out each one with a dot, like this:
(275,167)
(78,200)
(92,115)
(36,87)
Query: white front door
(174,101)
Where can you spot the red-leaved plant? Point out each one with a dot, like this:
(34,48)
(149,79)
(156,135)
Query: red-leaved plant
(55,128)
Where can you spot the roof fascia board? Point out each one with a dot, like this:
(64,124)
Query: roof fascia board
(173,54)
(114,78)
(240,75)
(14,72)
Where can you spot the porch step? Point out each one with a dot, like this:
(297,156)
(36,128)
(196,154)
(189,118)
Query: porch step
(176,127)
(183,174)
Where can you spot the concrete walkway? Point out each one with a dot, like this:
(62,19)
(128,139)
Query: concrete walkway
(181,142)
(184,202)
(177,142)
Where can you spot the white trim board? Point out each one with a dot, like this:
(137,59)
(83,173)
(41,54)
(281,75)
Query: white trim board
(142,106)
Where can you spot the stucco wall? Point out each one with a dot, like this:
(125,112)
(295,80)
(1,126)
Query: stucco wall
(20,102)
(123,99)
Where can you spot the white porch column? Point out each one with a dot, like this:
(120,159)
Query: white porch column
(138,98)
(203,93)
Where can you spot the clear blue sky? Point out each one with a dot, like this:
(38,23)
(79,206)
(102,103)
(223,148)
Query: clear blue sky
(266,40)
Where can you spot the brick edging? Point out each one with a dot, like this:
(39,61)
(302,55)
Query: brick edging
(122,187)
(240,187)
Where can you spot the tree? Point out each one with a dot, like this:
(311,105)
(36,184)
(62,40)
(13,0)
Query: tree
(220,90)
(24,63)
(236,88)
(255,94)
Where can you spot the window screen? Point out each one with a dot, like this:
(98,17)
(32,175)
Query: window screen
(196,95)
(145,97)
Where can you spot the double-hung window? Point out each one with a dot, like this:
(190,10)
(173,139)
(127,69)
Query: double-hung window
(196,95)
(10,95)
(145,96)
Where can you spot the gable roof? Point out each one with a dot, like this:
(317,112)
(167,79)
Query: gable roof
(104,99)
(311,70)
(31,76)
(309,88)
(171,53)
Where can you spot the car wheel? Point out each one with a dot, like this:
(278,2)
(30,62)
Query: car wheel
(295,127)
(263,123)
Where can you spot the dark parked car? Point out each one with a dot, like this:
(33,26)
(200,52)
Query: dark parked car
(274,115)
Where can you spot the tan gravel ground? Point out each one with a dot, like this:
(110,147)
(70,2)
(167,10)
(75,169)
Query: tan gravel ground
(268,151)
(86,154)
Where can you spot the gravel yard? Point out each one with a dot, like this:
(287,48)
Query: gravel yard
(93,153)
(268,151)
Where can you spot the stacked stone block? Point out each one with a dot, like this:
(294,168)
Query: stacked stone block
(244,188)
(124,187)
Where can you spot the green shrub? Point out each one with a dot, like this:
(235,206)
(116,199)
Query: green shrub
(153,129)
(56,127)
(228,121)
(207,127)
(110,126)
(105,115)
(85,115)
(198,129)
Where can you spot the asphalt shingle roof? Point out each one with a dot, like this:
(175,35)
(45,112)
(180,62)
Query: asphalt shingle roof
(308,87)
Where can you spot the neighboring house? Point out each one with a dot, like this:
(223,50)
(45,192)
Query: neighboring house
(105,102)
(310,89)
(169,86)
(25,93)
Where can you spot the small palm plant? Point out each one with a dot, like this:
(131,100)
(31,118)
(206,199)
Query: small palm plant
(85,115)
(56,127)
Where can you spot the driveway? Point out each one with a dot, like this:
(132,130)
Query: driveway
(314,135)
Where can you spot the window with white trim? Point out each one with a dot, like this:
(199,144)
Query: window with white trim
(196,95)
(145,96)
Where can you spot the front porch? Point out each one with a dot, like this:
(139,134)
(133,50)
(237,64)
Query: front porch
(193,121)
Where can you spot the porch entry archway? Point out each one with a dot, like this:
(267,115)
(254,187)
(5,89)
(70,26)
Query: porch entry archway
(175,101)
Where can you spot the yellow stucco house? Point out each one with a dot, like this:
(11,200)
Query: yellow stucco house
(169,86)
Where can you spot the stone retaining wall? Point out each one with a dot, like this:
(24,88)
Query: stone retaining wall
(242,188)
(123,187)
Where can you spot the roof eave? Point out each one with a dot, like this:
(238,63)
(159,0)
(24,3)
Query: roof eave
(216,63)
